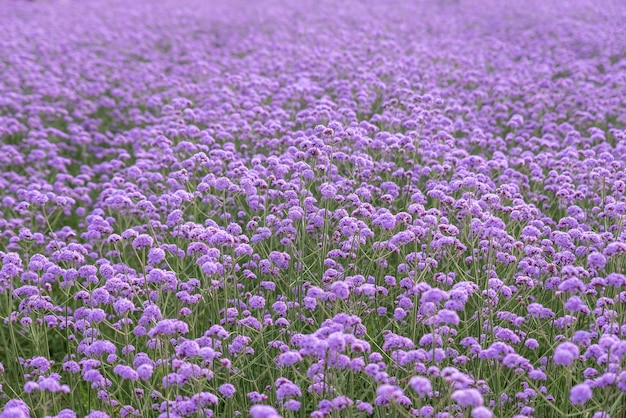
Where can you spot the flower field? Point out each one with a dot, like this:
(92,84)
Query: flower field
(312,208)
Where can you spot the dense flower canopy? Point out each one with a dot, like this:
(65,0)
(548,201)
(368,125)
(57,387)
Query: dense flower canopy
(312,208)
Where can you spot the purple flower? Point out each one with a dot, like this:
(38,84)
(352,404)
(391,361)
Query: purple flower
(263,411)
(596,260)
(340,289)
(97,414)
(125,372)
(169,327)
(537,374)
(256,302)
(531,343)
(280,308)
(289,358)
(446,316)
(51,384)
(65,413)
(467,398)
(292,405)
(482,412)
(385,220)
(143,241)
(580,394)
(576,304)
(364,407)
(155,256)
(123,305)
(256,397)
(285,388)
(565,354)
(30,387)
(421,385)
(15,408)
(427,411)
(227,390)
(145,371)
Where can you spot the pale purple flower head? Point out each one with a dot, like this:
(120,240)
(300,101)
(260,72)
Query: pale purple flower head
(143,241)
(565,354)
(596,260)
(256,302)
(288,358)
(263,411)
(467,398)
(421,385)
(481,412)
(227,390)
(580,394)
(125,372)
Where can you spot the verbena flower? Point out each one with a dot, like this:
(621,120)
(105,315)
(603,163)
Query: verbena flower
(580,394)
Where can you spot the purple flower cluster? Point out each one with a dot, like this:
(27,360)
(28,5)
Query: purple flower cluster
(314,208)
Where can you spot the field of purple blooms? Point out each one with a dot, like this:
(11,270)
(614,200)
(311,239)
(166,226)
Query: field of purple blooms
(313,208)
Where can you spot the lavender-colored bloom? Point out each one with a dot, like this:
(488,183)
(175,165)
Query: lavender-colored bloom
(97,414)
(580,394)
(30,387)
(427,411)
(421,385)
(155,256)
(145,371)
(565,354)
(263,411)
(482,412)
(15,408)
(286,389)
(280,308)
(531,343)
(123,306)
(65,413)
(256,302)
(467,398)
(292,405)
(364,407)
(340,289)
(446,316)
(227,390)
(126,372)
(596,260)
(256,397)
(143,241)
(537,374)
(289,358)
(576,304)
(399,314)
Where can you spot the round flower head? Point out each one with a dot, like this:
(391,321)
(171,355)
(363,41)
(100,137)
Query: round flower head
(263,411)
(467,398)
(596,260)
(482,412)
(292,405)
(340,289)
(126,372)
(97,414)
(421,385)
(580,394)
(256,302)
(565,354)
(227,390)
(143,241)
(288,358)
